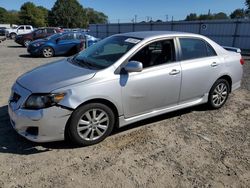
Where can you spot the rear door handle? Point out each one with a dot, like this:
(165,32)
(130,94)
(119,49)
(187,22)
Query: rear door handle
(174,72)
(214,64)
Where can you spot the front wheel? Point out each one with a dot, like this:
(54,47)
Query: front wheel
(90,124)
(218,94)
(48,52)
(13,35)
(26,42)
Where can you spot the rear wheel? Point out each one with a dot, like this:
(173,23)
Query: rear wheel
(90,124)
(218,94)
(48,52)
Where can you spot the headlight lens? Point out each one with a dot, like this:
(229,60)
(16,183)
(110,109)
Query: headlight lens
(39,101)
(38,44)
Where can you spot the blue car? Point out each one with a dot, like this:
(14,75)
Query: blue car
(67,43)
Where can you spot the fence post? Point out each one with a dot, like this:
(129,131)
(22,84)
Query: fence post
(172,25)
(97,31)
(107,30)
(119,28)
(200,24)
(133,27)
(151,26)
(235,32)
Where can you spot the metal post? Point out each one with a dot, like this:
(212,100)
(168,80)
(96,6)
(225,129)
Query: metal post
(235,32)
(107,30)
(97,31)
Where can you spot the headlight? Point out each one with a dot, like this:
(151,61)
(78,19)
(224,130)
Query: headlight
(39,101)
(38,44)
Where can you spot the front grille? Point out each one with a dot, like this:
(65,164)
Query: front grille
(15,98)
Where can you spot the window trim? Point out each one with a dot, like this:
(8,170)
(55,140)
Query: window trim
(195,38)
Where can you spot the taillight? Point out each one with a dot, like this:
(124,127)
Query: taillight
(242,62)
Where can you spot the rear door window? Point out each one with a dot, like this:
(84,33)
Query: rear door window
(195,48)
(28,28)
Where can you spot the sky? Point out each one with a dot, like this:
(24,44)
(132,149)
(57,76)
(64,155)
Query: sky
(125,10)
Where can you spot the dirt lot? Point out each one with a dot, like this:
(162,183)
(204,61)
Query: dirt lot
(194,147)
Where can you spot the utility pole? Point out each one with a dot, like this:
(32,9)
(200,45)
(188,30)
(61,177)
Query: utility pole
(135,19)
(167,18)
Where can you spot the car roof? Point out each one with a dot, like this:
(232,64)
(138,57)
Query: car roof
(154,34)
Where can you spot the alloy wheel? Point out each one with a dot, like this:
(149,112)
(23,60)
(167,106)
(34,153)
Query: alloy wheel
(93,124)
(220,94)
(47,52)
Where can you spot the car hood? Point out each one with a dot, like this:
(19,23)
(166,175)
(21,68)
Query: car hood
(39,41)
(53,76)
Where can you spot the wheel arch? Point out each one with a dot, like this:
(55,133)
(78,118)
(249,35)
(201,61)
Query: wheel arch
(228,79)
(106,102)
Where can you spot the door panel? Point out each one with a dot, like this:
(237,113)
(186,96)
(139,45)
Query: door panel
(198,76)
(151,89)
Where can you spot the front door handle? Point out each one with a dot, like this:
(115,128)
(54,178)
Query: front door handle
(214,64)
(174,72)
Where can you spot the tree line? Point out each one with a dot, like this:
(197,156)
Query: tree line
(64,13)
(236,14)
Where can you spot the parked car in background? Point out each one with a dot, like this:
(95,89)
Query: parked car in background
(3,31)
(120,80)
(39,33)
(22,29)
(67,43)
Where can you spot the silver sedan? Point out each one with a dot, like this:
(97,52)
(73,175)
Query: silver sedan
(122,79)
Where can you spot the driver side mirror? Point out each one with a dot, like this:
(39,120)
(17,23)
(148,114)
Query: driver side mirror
(58,39)
(133,66)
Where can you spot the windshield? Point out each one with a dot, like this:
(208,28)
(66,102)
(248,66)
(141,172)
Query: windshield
(105,52)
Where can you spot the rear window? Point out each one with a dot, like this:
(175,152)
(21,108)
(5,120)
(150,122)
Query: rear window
(195,48)
(28,27)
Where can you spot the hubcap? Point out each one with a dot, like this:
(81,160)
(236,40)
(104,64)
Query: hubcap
(220,94)
(47,52)
(26,43)
(93,124)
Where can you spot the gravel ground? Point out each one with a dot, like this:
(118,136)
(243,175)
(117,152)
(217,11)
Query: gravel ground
(194,147)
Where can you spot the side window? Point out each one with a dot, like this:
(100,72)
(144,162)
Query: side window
(79,37)
(210,51)
(50,31)
(68,36)
(28,28)
(156,53)
(21,28)
(195,48)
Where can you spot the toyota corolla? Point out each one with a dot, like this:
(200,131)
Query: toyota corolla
(120,80)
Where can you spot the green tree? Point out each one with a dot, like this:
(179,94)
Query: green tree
(220,16)
(3,15)
(94,17)
(248,8)
(248,4)
(238,13)
(45,14)
(67,13)
(206,17)
(191,17)
(30,14)
(12,17)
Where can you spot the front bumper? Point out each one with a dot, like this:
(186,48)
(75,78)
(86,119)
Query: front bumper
(49,122)
(34,50)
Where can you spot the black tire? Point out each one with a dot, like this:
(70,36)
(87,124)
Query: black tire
(77,137)
(217,99)
(13,35)
(47,52)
